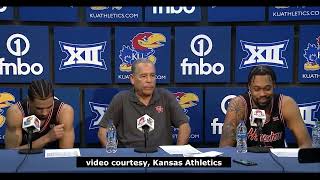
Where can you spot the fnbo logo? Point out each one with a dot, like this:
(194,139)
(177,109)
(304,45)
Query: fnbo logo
(18,45)
(172,10)
(201,46)
(215,124)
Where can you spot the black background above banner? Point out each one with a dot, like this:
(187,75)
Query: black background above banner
(162,3)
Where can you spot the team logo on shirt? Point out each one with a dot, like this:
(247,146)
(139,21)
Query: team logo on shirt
(312,55)
(159,109)
(6,99)
(143,45)
(276,118)
(99,110)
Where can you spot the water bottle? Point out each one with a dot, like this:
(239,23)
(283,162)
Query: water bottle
(242,137)
(112,142)
(316,135)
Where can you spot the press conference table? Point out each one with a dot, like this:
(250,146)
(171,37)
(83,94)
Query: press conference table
(10,159)
(267,163)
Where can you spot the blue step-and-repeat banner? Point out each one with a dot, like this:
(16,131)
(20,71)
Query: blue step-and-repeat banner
(202,54)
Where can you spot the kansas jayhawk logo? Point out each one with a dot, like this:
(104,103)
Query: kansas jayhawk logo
(99,8)
(312,54)
(186,100)
(142,46)
(5,101)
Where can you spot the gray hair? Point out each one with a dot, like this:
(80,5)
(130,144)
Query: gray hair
(138,61)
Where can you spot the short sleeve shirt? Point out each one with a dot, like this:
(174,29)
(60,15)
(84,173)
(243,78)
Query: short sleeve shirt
(125,109)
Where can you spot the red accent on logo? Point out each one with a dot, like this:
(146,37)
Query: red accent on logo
(258,113)
(37,123)
(159,109)
(141,121)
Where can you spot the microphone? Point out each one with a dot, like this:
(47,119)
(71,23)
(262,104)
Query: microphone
(258,119)
(145,124)
(30,124)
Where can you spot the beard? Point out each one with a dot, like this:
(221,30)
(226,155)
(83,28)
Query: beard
(263,105)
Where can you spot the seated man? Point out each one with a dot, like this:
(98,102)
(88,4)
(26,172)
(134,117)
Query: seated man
(281,111)
(56,117)
(161,105)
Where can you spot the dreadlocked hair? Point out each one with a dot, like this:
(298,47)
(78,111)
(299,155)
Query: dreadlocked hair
(40,89)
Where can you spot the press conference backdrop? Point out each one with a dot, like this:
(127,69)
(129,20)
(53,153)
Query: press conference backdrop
(203,56)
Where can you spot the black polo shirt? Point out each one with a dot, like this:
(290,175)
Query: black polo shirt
(125,109)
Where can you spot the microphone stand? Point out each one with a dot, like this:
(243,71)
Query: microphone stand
(259,133)
(145,131)
(29,150)
(145,149)
(259,148)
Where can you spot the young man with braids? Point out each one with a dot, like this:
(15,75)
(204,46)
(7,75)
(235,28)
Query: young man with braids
(56,129)
(281,111)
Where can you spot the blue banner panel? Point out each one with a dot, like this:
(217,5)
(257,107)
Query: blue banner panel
(191,101)
(235,14)
(82,60)
(202,54)
(289,13)
(113,14)
(309,54)
(8,96)
(216,104)
(133,43)
(96,102)
(50,14)
(264,45)
(69,96)
(24,53)
(6,13)
(308,101)
(172,13)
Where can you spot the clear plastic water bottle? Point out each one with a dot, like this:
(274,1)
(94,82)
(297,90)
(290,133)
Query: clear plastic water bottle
(316,135)
(242,137)
(112,142)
